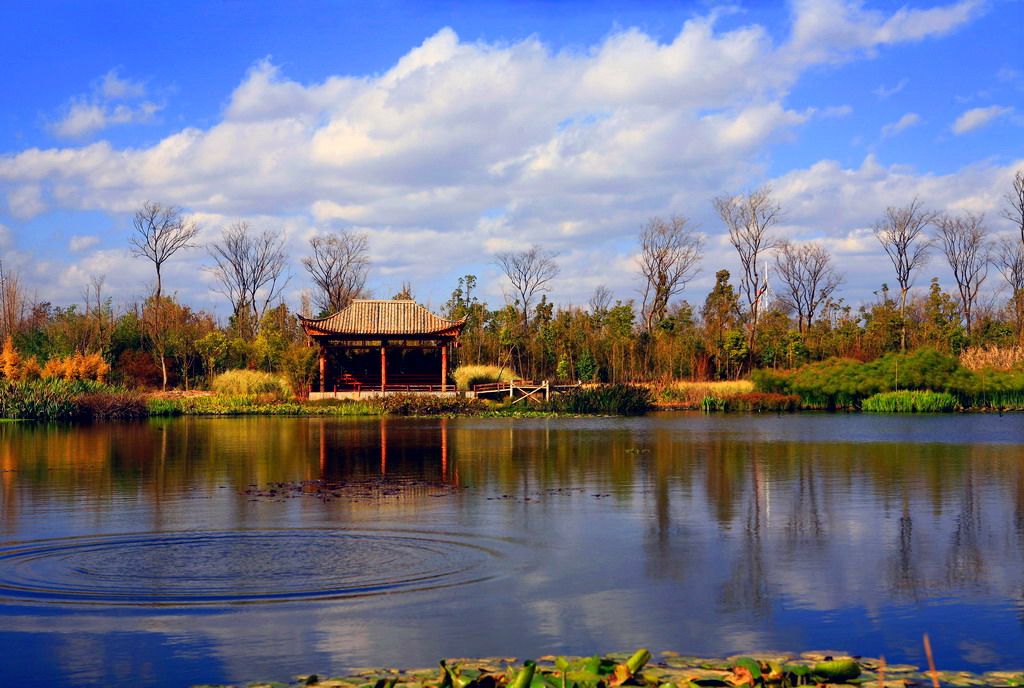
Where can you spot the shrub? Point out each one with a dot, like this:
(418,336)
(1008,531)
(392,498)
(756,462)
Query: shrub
(916,401)
(427,405)
(250,383)
(613,400)
(113,403)
(468,376)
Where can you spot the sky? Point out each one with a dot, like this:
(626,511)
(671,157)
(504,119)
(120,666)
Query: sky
(450,131)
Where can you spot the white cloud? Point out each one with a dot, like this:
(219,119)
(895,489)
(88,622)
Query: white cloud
(25,201)
(464,148)
(83,242)
(84,114)
(979,117)
(883,92)
(907,120)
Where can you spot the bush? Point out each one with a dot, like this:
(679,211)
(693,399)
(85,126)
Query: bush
(468,376)
(427,405)
(910,402)
(250,383)
(612,400)
(113,403)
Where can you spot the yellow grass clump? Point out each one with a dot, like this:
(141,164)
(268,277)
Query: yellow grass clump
(250,382)
(469,375)
(691,394)
(992,357)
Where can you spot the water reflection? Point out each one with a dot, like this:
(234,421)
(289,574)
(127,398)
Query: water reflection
(702,534)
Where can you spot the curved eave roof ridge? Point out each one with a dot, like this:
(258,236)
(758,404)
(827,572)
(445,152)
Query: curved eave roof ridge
(382,317)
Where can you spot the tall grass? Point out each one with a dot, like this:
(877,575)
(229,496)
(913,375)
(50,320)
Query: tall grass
(469,375)
(250,383)
(691,394)
(916,401)
(751,401)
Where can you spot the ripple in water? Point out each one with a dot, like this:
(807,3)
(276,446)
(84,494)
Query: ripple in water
(234,567)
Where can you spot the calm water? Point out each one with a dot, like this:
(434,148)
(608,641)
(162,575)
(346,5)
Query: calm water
(216,550)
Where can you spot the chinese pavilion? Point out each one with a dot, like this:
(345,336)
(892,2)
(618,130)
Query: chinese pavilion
(383,346)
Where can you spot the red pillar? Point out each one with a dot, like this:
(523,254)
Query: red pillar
(323,369)
(383,367)
(444,367)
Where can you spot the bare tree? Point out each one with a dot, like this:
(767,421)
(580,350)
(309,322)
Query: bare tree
(600,300)
(529,271)
(750,219)
(964,240)
(1014,209)
(901,233)
(670,251)
(160,232)
(15,302)
(338,266)
(250,269)
(808,278)
(1008,257)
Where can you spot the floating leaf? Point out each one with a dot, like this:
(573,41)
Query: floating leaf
(837,670)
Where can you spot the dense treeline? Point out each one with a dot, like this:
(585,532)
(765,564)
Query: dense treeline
(780,311)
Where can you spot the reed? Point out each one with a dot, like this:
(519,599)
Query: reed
(992,357)
(917,401)
(468,376)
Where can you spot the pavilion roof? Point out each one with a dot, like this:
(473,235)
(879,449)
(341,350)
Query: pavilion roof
(368,318)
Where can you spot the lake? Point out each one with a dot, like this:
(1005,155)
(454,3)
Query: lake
(195,550)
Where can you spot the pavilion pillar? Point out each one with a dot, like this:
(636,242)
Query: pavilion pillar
(444,367)
(383,367)
(323,368)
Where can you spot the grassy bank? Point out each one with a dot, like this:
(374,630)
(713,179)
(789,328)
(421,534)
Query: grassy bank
(670,670)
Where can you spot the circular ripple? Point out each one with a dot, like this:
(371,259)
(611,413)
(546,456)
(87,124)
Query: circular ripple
(234,567)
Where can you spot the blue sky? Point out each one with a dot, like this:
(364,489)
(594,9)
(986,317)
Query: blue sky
(450,131)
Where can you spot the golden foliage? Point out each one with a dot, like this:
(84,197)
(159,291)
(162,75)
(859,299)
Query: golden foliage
(11,360)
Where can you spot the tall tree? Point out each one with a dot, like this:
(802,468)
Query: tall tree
(808,278)
(338,266)
(1014,208)
(530,272)
(160,232)
(670,251)
(902,234)
(964,240)
(1008,257)
(750,219)
(250,269)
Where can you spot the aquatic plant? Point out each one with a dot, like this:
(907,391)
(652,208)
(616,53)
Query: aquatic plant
(469,375)
(916,401)
(426,405)
(612,400)
(250,382)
